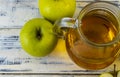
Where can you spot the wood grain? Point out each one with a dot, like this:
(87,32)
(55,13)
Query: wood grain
(14,61)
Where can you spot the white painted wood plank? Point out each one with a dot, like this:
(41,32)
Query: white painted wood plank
(49,76)
(14,13)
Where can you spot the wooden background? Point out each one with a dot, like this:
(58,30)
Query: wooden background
(15,62)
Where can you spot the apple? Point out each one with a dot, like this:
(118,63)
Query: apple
(106,75)
(110,74)
(37,37)
(118,73)
(56,9)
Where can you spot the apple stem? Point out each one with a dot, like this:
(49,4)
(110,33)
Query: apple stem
(115,74)
(38,33)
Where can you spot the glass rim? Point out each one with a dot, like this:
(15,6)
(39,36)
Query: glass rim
(83,37)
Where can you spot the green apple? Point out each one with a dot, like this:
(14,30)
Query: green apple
(110,74)
(106,75)
(56,9)
(118,73)
(37,37)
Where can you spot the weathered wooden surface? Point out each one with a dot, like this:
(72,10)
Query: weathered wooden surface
(15,62)
(48,76)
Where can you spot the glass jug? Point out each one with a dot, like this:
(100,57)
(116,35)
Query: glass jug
(92,40)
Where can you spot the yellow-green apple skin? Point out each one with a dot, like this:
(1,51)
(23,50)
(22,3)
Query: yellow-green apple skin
(56,9)
(106,74)
(118,73)
(37,37)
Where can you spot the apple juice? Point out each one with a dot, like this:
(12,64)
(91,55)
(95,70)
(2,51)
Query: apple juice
(96,29)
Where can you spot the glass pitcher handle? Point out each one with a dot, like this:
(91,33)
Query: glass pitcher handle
(61,26)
